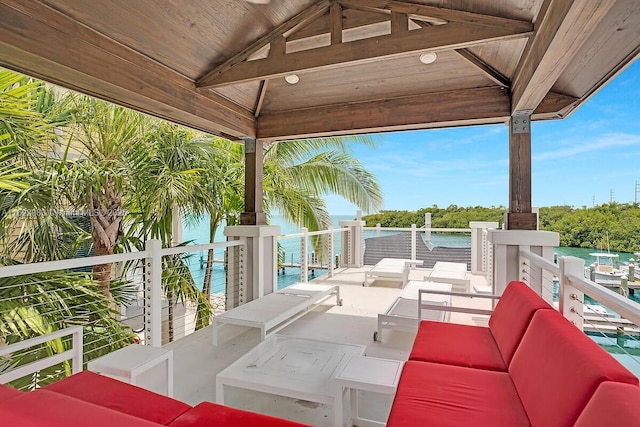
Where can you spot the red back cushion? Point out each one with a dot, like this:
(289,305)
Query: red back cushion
(512,315)
(7,392)
(120,396)
(42,408)
(613,404)
(557,368)
(211,414)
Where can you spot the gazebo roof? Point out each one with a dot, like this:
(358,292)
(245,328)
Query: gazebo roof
(219,65)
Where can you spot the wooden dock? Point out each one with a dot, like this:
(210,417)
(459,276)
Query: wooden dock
(610,326)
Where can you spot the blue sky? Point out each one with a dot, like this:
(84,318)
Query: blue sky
(577,161)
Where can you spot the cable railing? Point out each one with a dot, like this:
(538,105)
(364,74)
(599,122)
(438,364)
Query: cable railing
(306,255)
(154,297)
(611,319)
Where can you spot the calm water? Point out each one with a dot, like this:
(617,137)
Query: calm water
(198,233)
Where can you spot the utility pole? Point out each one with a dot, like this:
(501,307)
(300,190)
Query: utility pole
(635,193)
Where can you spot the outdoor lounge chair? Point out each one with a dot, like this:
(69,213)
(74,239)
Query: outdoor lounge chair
(390,268)
(450,272)
(274,311)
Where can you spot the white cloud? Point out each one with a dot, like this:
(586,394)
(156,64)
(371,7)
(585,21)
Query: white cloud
(575,148)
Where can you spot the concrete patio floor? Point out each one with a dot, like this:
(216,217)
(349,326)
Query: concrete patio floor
(197,361)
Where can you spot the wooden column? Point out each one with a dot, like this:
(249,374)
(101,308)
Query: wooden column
(253,171)
(520,215)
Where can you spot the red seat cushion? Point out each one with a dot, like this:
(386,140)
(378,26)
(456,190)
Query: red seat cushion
(43,408)
(210,414)
(120,396)
(7,392)
(557,368)
(453,344)
(433,394)
(613,404)
(512,316)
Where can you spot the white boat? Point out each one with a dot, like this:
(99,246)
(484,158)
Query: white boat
(606,267)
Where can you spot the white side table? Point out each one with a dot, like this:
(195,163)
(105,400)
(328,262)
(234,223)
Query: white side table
(368,374)
(133,360)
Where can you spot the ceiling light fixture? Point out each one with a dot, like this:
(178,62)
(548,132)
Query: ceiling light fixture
(428,57)
(292,79)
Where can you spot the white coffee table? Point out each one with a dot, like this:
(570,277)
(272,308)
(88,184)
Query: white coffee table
(292,367)
(129,362)
(368,374)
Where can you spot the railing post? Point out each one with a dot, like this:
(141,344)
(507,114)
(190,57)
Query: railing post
(153,294)
(331,251)
(413,242)
(304,265)
(76,364)
(571,299)
(427,228)
(478,244)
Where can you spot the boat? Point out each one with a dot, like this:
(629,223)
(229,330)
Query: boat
(605,268)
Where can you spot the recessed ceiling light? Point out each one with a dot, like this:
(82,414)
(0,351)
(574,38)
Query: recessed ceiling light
(428,57)
(292,79)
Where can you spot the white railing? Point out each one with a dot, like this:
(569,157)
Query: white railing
(309,251)
(414,238)
(612,319)
(156,296)
(32,345)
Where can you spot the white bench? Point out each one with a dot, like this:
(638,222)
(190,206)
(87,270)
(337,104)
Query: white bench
(391,268)
(450,272)
(275,311)
(404,313)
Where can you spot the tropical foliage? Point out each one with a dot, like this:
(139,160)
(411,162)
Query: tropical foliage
(614,226)
(79,176)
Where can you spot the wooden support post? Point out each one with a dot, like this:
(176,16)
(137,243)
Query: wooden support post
(254,156)
(399,22)
(520,215)
(336,23)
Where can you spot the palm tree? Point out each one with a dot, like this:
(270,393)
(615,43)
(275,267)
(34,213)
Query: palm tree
(297,174)
(223,179)
(110,142)
(36,304)
(167,183)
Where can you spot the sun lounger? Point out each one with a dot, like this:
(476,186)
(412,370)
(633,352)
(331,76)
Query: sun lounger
(450,272)
(390,268)
(274,311)
(403,314)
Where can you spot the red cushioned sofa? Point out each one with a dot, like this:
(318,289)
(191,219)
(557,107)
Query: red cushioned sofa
(530,367)
(89,399)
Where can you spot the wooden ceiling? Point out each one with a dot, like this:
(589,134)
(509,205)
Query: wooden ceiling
(219,65)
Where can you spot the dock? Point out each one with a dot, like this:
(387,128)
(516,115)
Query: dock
(611,326)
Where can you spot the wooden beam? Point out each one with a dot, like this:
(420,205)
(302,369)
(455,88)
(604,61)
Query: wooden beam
(493,74)
(440,37)
(562,28)
(253,172)
(336,23)
(261,94)
(554,105)
(460,107)
(487,69)
(449,15)
(519,168)
(86,61)
(351,19)
(307,15)
(278,46)
(399,22)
